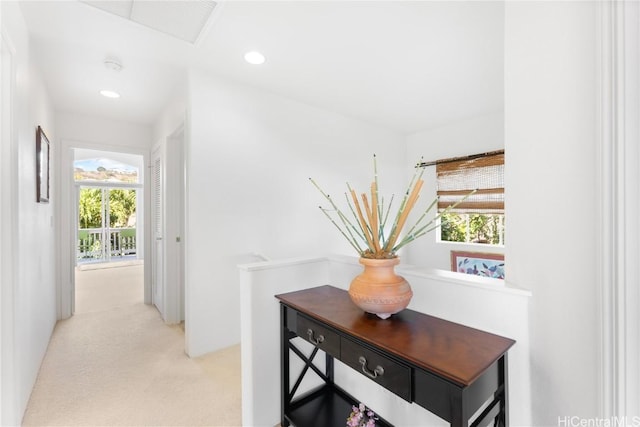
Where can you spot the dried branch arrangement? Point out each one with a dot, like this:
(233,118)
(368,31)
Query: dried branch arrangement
(365,228)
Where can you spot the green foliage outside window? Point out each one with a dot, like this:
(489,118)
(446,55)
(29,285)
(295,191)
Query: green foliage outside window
(472,228)
(90,208)
(122,206)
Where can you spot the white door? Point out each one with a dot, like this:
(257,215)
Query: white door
(157,224)
(174,228)
(167,275)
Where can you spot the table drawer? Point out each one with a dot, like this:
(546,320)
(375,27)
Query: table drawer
(325,339)
(389,373)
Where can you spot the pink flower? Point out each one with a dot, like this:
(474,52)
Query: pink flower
(361,416)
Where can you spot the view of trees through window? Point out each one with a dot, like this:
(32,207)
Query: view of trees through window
(122,207)
(472,228)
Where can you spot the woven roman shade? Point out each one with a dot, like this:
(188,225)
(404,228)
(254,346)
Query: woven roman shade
(457,178)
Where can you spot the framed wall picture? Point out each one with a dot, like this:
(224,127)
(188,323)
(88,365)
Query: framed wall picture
(42,166)
(478,263)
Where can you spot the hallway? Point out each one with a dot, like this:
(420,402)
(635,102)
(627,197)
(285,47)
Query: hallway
(116,363)
(106,286)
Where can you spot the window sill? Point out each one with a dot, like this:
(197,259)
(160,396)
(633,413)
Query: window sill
(487,283)
(474,245)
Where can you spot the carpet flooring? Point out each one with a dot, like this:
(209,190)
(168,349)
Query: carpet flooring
(122,366)
(100,288)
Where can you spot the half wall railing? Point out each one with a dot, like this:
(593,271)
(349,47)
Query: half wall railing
(100,243)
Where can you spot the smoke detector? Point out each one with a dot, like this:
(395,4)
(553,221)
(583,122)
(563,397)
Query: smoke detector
(113,64)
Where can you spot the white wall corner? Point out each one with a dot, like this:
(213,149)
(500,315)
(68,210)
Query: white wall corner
(8,230)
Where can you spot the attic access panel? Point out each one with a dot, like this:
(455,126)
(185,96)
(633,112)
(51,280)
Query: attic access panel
(185,20)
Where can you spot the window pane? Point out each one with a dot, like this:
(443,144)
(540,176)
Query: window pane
(453,227)
(104,170)
(472,228)
(122,208)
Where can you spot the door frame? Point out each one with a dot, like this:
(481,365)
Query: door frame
(619,207)
(66,211)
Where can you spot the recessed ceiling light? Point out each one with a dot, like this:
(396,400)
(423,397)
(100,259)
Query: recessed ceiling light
(255,58)
(109,94)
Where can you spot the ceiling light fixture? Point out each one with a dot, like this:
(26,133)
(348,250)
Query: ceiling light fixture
(113,64)
(255,58)
(109,94)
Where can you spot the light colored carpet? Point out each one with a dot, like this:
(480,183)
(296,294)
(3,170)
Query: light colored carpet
(105,286)
(122,366)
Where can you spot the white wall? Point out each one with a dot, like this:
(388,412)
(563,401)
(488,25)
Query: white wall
(5,178)
(472,136)
(33,295)
(101,132)
(260,321)
(82,131)
(550,144)
(8,228)
(171,117)
(250,154)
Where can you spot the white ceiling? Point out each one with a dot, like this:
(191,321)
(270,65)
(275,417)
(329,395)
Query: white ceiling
(183,19)
(405,65)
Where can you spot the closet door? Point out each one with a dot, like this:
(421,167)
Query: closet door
(157,224)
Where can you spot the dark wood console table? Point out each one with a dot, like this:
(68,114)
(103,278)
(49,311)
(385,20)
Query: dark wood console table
(447,368)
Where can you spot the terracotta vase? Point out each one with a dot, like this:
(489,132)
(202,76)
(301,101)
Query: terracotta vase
(379,290)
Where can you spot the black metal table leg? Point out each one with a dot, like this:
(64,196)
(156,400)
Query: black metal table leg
(284,367)
(502,420)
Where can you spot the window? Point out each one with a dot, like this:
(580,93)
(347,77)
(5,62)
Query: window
(472,228)
(104,170)
(480,217)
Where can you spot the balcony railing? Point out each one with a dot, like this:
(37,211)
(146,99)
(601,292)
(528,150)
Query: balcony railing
(99,244)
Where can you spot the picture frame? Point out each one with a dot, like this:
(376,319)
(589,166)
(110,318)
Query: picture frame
(43,156)
(478,263)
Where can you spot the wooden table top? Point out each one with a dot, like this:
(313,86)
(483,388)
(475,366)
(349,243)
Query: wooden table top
(453,351)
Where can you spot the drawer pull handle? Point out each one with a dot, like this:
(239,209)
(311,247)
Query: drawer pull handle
(315,341)
(377,372)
